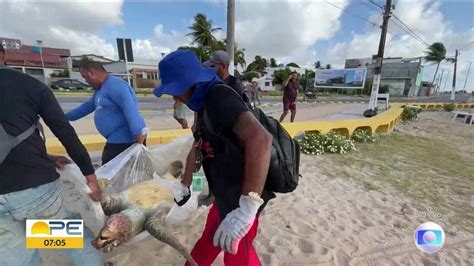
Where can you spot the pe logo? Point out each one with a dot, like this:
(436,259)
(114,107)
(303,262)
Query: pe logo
(429,237)
(54,234)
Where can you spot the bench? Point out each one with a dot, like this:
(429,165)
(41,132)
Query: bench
(465,114)
(384,97)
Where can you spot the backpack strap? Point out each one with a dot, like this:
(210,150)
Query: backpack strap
(8,142)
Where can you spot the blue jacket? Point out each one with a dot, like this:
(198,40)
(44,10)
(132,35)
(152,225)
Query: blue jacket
(117,117)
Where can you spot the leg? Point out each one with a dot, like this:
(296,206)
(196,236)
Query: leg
(246,254)
(111,150)
(204,251)
(283,115)
(182,122)
(286,108)
(293,112)
(12,243)
(46,202)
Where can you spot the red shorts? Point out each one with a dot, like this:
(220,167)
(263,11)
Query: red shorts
(204,252)
(289,105)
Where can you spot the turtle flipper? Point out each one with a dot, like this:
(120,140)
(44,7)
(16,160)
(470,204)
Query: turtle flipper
(156,228)
(112,203)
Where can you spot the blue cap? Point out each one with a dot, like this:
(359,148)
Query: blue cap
(179,71)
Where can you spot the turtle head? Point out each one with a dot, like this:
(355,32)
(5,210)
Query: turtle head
(117,230)
(175,169)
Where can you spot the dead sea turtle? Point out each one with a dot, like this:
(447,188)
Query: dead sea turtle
(141,207)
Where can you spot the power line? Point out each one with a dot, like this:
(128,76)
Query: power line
(371,7)
(411,32)
(469,43)
(377,4)
(353,14)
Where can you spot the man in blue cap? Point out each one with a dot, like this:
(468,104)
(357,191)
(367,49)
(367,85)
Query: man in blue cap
(235,160)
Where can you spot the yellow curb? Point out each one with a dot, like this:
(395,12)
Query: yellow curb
(382,123)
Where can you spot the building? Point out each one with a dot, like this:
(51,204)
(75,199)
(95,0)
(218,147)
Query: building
(402,75)
(143,72)
(266,81)
(45,64)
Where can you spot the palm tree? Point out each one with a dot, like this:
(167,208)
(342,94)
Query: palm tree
(317,65)
(202,31)
(239,57)
(202,53)
(273,62)
(435,54)
(292,64)
(259,64)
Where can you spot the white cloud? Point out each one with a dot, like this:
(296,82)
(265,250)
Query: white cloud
(285,30)
(423,17)
(161,42)
(70,24)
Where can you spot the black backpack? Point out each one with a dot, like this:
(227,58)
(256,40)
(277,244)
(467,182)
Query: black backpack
(283,172)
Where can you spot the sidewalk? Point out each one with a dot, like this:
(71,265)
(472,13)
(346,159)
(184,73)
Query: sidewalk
(305,112)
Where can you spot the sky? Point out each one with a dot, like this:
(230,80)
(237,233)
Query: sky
(290,31)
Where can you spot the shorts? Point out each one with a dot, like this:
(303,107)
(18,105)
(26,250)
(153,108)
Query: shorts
(180,112)
(289,105)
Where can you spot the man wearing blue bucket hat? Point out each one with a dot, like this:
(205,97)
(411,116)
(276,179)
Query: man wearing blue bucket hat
(235,160)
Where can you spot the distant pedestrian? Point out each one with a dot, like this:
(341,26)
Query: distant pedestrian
(254,92)
(290,93)
(180,113)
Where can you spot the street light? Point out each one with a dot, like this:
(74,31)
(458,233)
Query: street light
(40,44)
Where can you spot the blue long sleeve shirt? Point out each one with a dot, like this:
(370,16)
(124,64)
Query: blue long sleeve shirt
(117,115)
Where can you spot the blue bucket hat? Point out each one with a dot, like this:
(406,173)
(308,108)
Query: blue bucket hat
(179,71)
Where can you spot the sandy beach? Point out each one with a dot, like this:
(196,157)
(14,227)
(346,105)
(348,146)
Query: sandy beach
(359,208)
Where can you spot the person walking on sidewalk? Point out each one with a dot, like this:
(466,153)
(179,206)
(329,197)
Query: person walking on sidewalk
(290,93)
(235,161)
(117,116)
(29,184)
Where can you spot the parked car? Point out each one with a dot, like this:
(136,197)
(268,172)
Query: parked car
(70,84)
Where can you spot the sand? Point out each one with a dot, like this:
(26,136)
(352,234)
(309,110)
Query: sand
(359,208)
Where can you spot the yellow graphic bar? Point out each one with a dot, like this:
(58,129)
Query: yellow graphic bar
(54,242)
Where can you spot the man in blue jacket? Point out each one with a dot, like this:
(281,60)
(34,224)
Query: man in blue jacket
(117,116)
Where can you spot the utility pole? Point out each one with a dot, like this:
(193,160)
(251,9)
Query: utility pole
(453,90)
(440,81)
(446,81)
(467,76)
(372,111)
(126,61)
(230,33)
(40,46)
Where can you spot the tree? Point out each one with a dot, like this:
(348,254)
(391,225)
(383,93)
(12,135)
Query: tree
(202,31)
(308,74)
(435,54)
(328,66)
(273,62)
(292,65)
(317,65)
(259,64)
(249,75)
(239,57)
(203,53)
(280,75)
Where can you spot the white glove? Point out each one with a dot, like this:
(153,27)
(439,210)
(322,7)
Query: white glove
(181,193)
(237,223)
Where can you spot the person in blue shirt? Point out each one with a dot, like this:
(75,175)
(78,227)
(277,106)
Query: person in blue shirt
(117,115)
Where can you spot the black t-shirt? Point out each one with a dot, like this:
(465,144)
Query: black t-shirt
(225,170)
(22,99)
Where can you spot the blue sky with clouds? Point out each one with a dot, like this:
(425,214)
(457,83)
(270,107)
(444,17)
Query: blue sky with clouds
(290,31)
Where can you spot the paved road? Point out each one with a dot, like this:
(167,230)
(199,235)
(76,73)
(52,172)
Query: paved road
(162,105)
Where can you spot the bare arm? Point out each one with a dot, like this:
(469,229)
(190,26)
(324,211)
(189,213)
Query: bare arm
(190,166)
(286,81)
(257,142)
